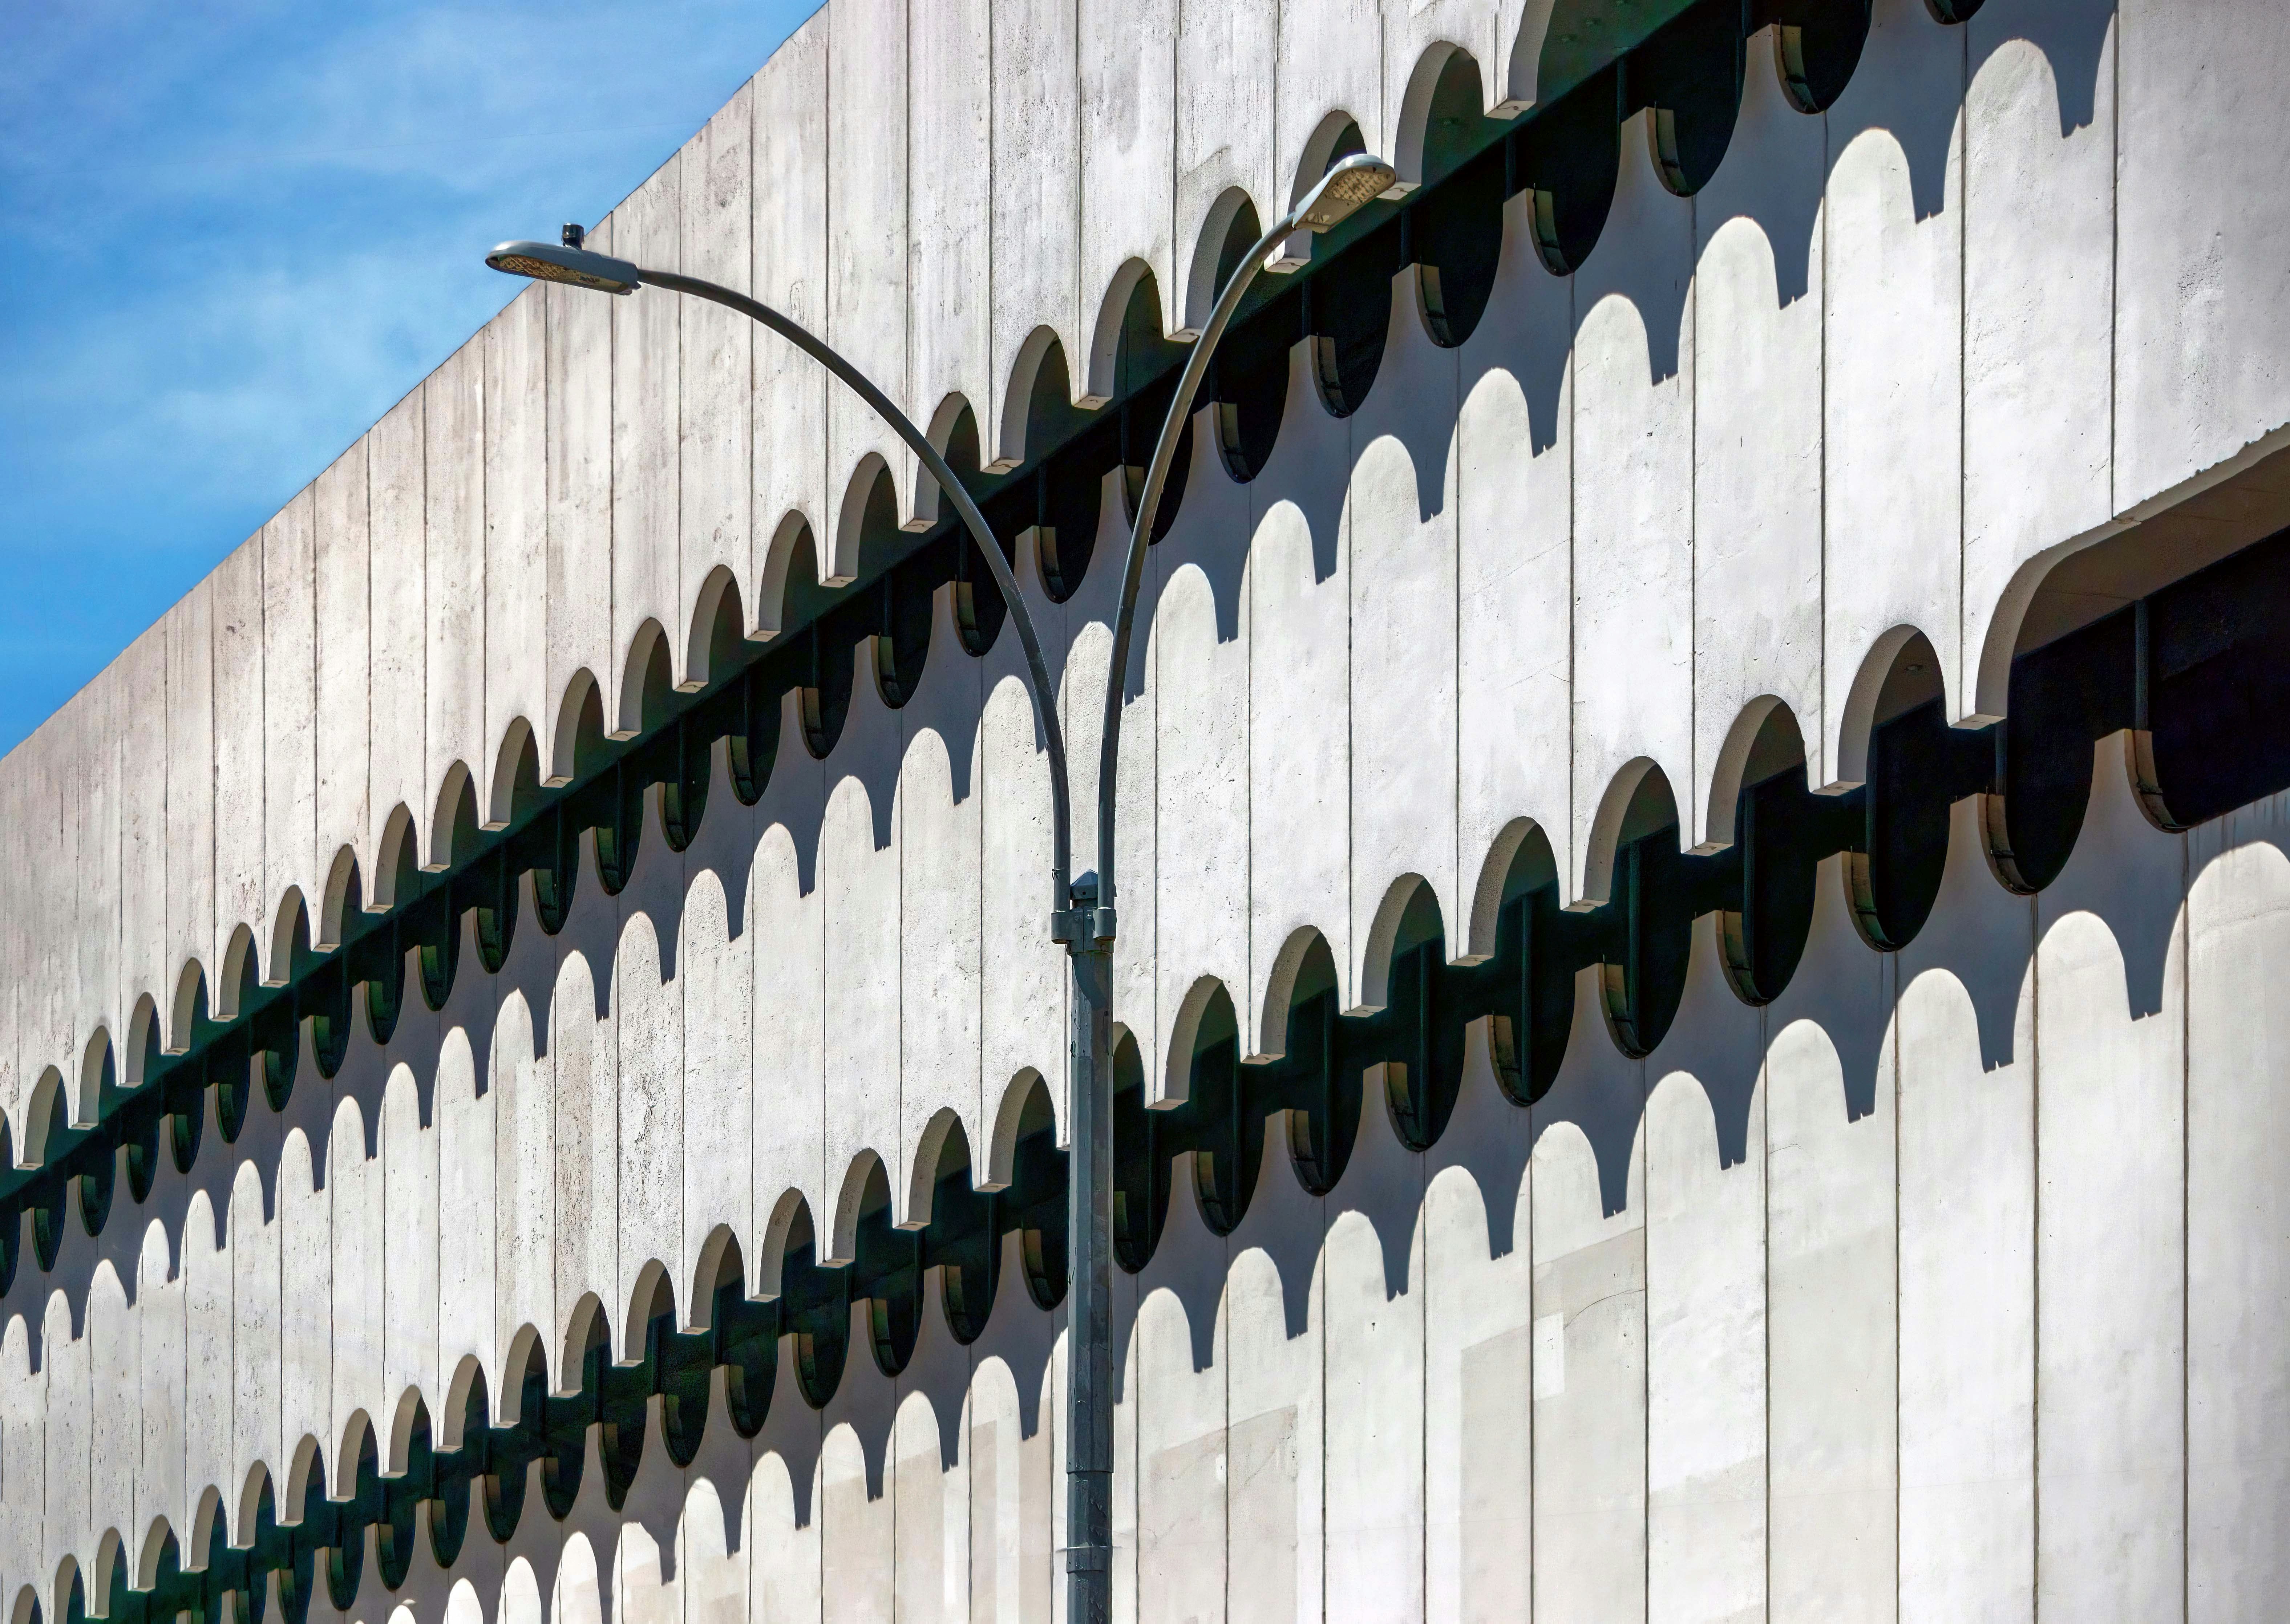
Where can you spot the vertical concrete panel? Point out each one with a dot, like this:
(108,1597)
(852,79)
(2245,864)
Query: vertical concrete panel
(2110,1305)
(1893,229)
(290,745)
(1590,1384)
(1831,1390)
(64,1475)
(577,1596)
(341,688)
(588,1148)
(1023,1001)
(647,397)
(396,625)
(1126,155)
(408,1166)
(208,1384)
(858,885)
(940,976)
(717,389)
(647,1017)
(1272,1381)
(1374,1421)
(18,1069)
(516,532)
(15,941)
(114,1409)
(1403,679)
(717,970)
(791,137)
(54,796)
(867,262)
(22,1395)
(2039,177)
(642,1591)
(160,1294)
(951,49)
(1297,790)
(1706,1424)
(146,966)
(305,1311)
(2238,1219)
(992,1458)
(923,1514)
(1479,1447)
(239,774)
(714,1571)
(1182,1464)
(2204,261)
(1225,55)
(1634,540)
(190,778)
(1334,66)
(580,418)
(1967,1330)
(789,1146)
(524,1186)
(1037,206)
(1202,752)
(855,1531)
(38,997)
(470,1216)
(359,1224)
(1757,300)
(782,1543)
(88,768)
(256,1329)
(1514,655)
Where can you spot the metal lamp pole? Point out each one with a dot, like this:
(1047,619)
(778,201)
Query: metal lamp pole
(1082,916)
(1088,932)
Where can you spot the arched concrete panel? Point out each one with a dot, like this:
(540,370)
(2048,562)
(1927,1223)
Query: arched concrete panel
(1010,449)
(344,894)
(1380,940)
(517,744)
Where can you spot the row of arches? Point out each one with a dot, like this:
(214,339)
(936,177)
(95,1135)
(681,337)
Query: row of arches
(1311,1094)
(1461,165)
(433,1477)
(418,1476)
(2189,673)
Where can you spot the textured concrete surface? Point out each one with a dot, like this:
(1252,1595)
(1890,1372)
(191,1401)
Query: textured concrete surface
(1951,1286)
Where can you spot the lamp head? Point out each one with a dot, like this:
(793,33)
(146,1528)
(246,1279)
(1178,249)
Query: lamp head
(575,267)
(1344,190)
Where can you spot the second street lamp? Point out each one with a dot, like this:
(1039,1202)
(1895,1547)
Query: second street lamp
(1082,918)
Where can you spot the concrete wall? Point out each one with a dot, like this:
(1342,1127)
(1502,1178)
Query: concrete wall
(1949,1285)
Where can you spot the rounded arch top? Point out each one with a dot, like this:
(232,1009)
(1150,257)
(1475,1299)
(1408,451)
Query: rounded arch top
(1637,800)
(1232,216)
(1413,147)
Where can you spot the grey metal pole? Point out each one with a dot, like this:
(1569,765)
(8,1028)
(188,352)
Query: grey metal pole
(1089,1274)
(1089,1213)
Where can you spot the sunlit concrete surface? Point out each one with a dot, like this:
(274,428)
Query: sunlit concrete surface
(1949,1284)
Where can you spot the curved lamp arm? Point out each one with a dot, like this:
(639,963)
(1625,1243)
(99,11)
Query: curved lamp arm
(1342,191)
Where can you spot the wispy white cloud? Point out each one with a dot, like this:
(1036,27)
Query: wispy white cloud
(243,230)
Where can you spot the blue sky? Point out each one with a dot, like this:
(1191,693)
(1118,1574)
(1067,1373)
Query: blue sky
(234,232)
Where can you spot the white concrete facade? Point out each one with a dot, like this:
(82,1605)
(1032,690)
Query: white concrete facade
(1951,1284)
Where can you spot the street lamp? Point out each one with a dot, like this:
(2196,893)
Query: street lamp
(1082,917)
